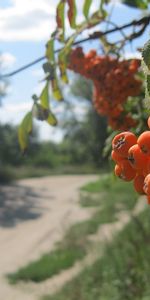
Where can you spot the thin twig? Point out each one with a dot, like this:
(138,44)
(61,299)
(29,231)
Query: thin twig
(143,21)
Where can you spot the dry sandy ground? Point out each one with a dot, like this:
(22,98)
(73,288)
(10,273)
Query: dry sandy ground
(34,214)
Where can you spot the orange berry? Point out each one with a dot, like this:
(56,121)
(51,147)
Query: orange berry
(144,142)
(148,199)
(146,186)
(139,183)
(122,142)
(146,168)
(148,122)
(136,157)
(116,157)
(124,171)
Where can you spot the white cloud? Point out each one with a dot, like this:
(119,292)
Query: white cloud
(32,20)
(27,20)
(7,60)
(13,113)
(134,54)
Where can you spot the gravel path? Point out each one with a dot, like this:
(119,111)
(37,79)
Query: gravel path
(34,214)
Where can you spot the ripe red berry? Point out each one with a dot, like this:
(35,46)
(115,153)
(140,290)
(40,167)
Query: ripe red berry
(116,157)
(144,142)
(136,157)
(122,142)
(139,183)
(124,171)
(146,186)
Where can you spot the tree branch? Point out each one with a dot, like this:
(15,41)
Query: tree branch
(143,21)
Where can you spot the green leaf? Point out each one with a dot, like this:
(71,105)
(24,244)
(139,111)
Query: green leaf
(72,12)
(102,10)
(39,112)
(24,130)
(50,50)
(60,19)
(35,97)
(43,114)
(51,119)
(44,97)
(48,67)
(56,90)
(86,8)
(146,54)
(62,63)
(142,4)
(148,84)
(96,18)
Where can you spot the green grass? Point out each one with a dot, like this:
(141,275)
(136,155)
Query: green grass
(122,272)
(90,226)
(72,248)
(111,193)
(75,243)
(49,264)
(11,173)
(99,185)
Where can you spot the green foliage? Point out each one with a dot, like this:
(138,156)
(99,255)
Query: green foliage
(146,54)
(44,97)
(81,88)
(50,50)
(41,110)
(66,10)
(48,265)
(72,12)
(87,136)
(114,192)
(41,158)
(121,273)
(148,84)
(51,120)
(57,94)
(86,139)
(62,62)
(24,130)
(60,19)
(86,8)
(141,4)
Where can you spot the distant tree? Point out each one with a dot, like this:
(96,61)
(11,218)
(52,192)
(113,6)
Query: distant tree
(85,138)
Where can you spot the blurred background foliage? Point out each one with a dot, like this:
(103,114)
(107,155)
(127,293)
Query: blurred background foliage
(80,151)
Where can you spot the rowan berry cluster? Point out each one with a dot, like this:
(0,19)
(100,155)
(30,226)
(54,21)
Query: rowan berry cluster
(114,81)
(132,158)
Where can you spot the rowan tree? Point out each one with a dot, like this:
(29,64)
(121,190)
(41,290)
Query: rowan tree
(118,90)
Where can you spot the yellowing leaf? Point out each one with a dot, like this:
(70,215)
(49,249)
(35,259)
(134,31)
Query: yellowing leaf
(86,8)
(56,90)
(24,130)
(60,19)
(51,119)
(72,12)
(39,112)
(63,66)
(50,50)
(44,97)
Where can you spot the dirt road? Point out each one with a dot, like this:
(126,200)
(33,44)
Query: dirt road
(34,214)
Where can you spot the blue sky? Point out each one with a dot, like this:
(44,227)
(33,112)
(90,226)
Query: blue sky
(25,26)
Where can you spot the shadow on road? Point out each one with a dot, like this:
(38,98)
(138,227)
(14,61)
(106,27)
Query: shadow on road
(17,204)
